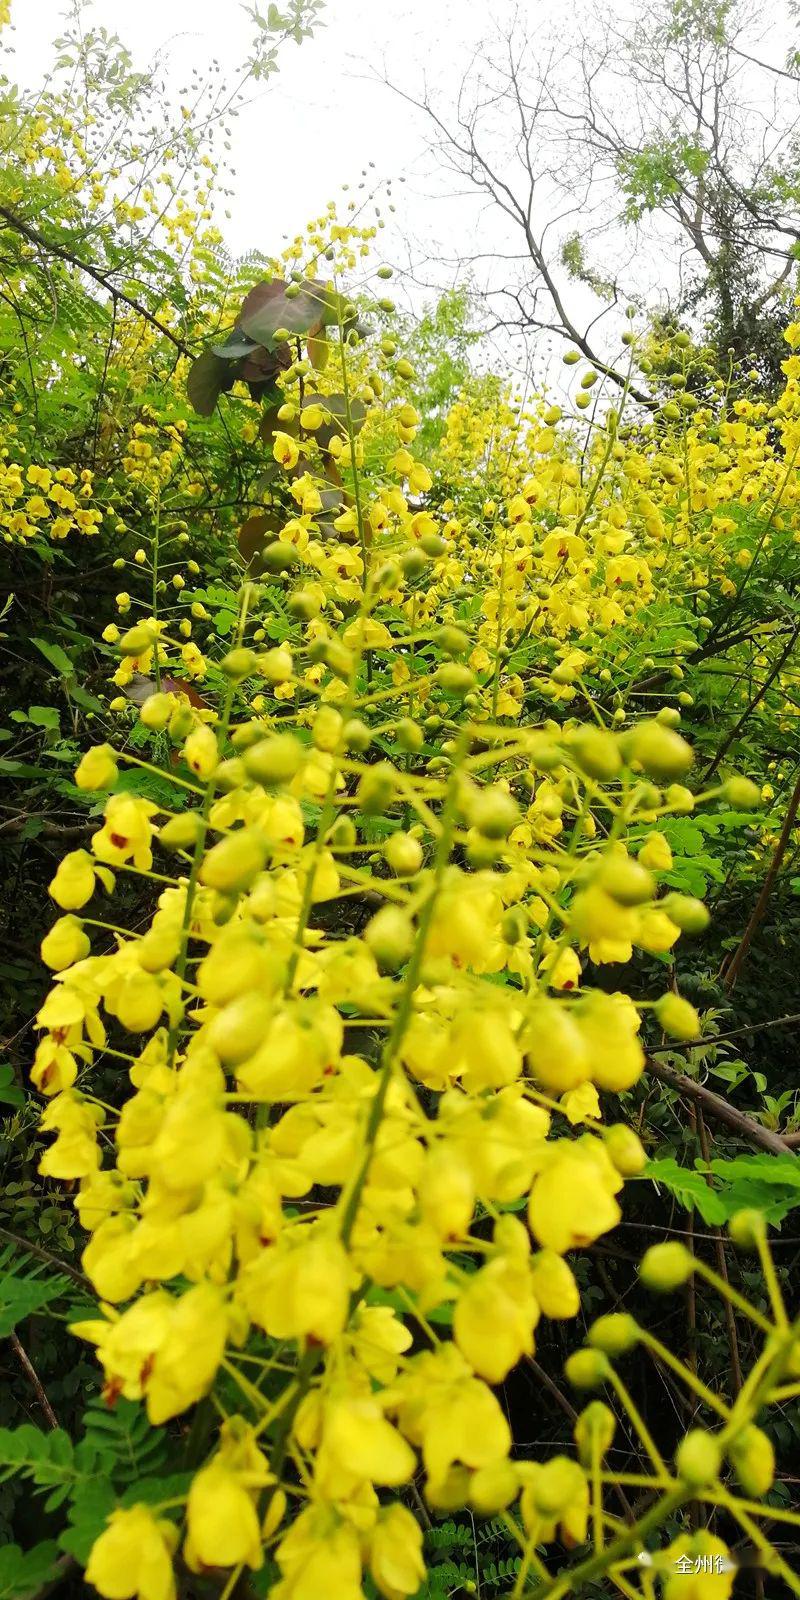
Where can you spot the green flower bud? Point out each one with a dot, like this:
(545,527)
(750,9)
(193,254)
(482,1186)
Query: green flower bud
(239,663)
(660,752)
(677,1017)
(275,760)
(742,794)
(596,752)
(493,813)
(627,881)
(376,789)
(666,1266)
(181,833)
(625,1149)
(357,736)
(698,1459)
(409,736)
(156,710)
(594,1432)
(454,678)
(747,1227)
(403,854)
(390,937)
(587,1369)
(614,1334)
(753,1460)
(234,862)
(688,914)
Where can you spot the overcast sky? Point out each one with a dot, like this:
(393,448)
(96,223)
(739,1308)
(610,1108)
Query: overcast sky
(326,115)
(322,118)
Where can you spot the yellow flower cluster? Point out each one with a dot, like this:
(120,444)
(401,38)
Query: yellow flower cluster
(360,1123)
(38,500)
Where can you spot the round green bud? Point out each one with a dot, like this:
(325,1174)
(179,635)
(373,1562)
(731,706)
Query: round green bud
(626,880)
(390,937)
(661,752)
(247,734)
(698,1459)
(677,1016)
(625,1149)
(753,1460)
(688,914)
(238,664)
(433,545)
(614,1334)
(747,1227)
(343,835)
(594,1432)
(278,556)
(156,710)
(587,1369)
(452,641)
(182,832)
(742,794)
(413,563)
(404,854)
(376,789)
(596,752)
(274,760)
(493,813)
(666,1266)
(234,862)
(454,678)
(409,736)
(356,735)
(514,925)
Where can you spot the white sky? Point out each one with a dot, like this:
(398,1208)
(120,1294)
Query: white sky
(325,115)
(319,120)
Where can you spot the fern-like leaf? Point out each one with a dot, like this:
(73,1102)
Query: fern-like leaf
(26,1286)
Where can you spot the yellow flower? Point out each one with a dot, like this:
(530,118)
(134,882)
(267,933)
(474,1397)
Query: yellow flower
(319,1556)
(609,1024)
(286,450)
(222,1521)
(300,1289)
(572,1201)
(73,883)
(132,1558)
(126,832)
(395,1552)
(75,1153)
(494,1318)
(581,1103)
(97,769)
(65,944)
(554,1285)
(358,1438)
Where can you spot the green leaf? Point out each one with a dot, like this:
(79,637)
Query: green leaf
(44,716)
(24,1572)
(10,1093)
(57,657)
(209,377)
(689,1188)
(24,1288)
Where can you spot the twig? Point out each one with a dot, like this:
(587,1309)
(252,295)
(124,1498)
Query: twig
(734,966)
(714,1105)
(35,1381)
(62,254)
(44,1255)
(722,1038)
